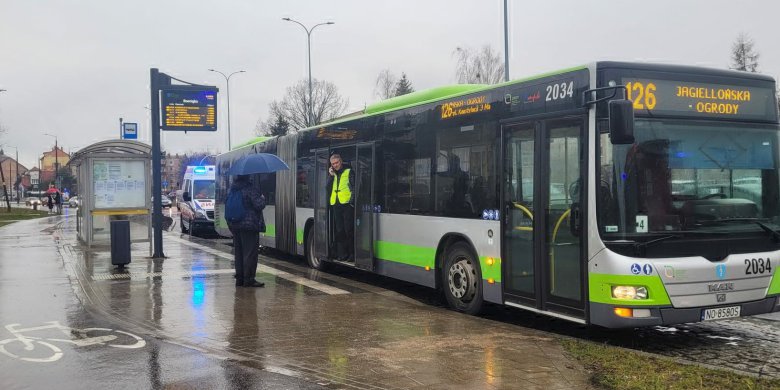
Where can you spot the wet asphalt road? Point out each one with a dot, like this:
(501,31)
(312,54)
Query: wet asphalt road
(36,292)
(340,329)
(305,329)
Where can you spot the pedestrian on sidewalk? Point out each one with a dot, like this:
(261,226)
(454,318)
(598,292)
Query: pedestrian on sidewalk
(58,202)
(49,203)
(244,215)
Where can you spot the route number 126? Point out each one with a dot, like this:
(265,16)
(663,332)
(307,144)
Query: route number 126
(643,95)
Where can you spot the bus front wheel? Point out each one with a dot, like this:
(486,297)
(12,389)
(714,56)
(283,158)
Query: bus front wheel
(462,279)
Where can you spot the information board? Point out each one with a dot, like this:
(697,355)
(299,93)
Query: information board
(679,97)
(189,108)
(119,184)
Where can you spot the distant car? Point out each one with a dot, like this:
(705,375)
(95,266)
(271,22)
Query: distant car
(74,201)
(32,201)
(166,203)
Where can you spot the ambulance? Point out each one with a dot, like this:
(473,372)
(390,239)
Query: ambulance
(195,200)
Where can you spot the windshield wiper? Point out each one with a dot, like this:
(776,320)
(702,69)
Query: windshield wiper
(769,230)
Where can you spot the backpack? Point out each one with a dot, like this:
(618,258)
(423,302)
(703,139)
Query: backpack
(234,207)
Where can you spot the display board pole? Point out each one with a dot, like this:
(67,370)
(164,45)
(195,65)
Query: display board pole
(157,80)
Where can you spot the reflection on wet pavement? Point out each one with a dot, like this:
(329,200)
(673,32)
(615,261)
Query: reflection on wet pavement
(50,338)
(310,328)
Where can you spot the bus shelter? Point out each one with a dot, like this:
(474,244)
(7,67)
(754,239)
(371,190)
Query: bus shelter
(114,182)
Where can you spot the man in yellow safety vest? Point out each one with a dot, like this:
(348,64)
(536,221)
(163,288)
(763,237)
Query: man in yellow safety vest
(342,206)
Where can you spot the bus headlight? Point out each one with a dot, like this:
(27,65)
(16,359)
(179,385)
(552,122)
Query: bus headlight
(629,292)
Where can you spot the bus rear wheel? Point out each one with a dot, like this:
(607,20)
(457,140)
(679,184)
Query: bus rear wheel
(311,258)
(462,279)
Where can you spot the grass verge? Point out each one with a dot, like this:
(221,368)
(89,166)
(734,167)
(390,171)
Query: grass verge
(617,368)
(17,214)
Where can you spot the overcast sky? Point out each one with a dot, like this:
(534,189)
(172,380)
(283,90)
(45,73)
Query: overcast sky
(73,68)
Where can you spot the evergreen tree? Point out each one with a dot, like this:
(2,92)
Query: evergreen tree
(743,55)
(404,86)
(279,127)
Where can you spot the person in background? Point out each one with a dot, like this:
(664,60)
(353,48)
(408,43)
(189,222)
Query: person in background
(49,203)
(246,232)
(58,202)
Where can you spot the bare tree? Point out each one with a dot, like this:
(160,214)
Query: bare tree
(484,66)
(385,84)
(744,57)
(294,106)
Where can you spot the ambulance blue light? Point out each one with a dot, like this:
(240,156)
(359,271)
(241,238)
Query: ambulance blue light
(199,170)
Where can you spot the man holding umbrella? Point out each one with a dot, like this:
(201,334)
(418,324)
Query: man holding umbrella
(244,214)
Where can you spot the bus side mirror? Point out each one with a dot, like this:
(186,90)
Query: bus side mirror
(186,196)
(621,122)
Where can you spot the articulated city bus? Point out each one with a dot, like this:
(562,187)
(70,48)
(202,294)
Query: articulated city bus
(615,194)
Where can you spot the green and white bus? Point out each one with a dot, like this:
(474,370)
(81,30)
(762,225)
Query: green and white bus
(615,194)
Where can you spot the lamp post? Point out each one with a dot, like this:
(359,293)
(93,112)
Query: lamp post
(205,157)
(506,43)
(227,82)
(56,160)
(308,45)
(17,172)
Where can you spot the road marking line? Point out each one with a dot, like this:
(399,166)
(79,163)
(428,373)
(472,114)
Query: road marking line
(266,269)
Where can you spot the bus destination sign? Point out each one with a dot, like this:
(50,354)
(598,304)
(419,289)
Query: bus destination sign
(189,108)
(671,97)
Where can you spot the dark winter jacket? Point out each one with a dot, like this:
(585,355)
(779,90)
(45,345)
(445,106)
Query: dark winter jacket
(254,203)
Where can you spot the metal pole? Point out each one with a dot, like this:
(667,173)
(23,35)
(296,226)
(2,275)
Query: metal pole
(156,165)
(310,115)
(227,82)
(311,102)
(506,43)
(56,162)
(18,195)
(120,129)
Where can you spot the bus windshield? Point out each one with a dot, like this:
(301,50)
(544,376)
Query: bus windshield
(203,189)
(689,176)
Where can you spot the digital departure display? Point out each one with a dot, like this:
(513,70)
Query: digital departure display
(190,109)
(672,97)
(466,106)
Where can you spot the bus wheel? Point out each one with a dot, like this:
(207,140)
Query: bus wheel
(462,280)
(311,259)
(181,224)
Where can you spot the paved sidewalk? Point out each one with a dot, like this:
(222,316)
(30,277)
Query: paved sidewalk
(316,327)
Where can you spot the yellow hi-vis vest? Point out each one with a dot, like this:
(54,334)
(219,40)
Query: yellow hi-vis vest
(340,190)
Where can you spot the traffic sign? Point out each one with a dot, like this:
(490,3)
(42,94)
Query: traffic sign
(130,130)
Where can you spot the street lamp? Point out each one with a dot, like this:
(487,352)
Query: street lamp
(18,195)
(506,43)
(227,81)
(205,157)
(56,161)
(308,45)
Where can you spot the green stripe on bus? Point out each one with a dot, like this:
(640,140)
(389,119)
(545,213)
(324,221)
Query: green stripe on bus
(299,236)
(421,256)
(490,271)
(270,230)
(600,289)
(418,256)
(774,287)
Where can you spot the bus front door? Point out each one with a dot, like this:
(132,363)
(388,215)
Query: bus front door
(544,257)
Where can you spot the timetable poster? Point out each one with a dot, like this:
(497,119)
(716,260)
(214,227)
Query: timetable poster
(119,184)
